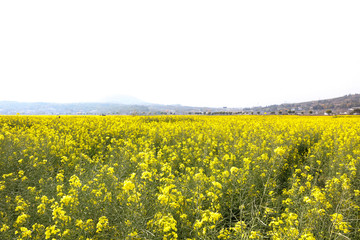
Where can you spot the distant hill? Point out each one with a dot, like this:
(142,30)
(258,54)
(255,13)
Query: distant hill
(339,105)
(43,108)
(125,105)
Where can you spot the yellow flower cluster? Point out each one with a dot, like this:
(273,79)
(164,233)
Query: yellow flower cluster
(179,177)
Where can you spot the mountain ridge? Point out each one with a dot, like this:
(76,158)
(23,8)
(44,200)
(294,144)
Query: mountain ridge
(339,105)
(347,104)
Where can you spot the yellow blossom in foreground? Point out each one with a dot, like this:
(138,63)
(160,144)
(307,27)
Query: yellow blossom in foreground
(66,200)
(4,228)
(25,232)
(51,231)
(102,224)
(179,177)
(128,185)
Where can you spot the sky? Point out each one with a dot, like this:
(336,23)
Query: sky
(188,52)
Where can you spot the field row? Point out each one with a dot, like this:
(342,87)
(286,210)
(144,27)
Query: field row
(179,177)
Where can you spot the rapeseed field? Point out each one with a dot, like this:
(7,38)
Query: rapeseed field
(179,177)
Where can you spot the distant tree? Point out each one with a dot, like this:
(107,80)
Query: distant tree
(328,112)
(356,111)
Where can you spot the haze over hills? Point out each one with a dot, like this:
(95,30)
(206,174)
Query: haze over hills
(340,105)
(123,99)
(96,108)
(127,105)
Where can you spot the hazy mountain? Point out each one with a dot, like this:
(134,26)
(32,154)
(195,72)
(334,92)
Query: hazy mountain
(339,105)
(126,105)
(42,108)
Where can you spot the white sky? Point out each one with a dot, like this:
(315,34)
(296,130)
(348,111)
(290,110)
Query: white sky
(189,52)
